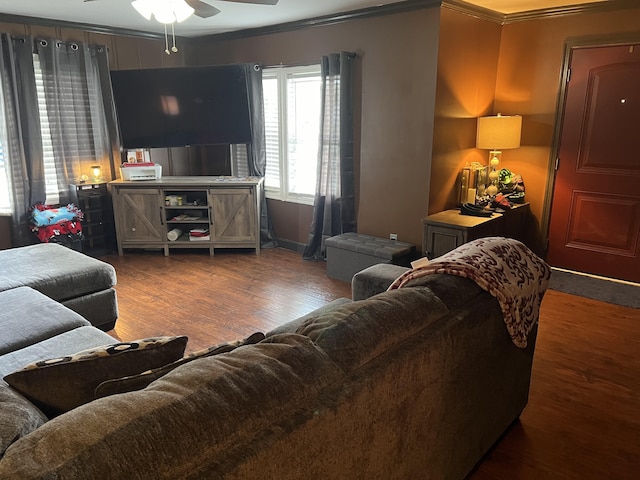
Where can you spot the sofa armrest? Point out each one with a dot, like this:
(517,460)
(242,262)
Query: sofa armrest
(374,279)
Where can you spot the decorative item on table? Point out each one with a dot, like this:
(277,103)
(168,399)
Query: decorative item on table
(497,133)
(475,210)
(96,173)
(512,190)
(139,155)
(473,180)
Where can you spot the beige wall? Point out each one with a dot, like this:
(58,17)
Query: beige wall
(394,124)
(467,62)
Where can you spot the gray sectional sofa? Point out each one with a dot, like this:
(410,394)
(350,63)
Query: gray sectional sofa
(415,382)
(82,283)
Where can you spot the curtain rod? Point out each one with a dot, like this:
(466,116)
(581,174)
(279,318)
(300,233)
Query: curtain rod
(350,55)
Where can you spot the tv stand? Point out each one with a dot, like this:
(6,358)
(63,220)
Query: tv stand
(161,213)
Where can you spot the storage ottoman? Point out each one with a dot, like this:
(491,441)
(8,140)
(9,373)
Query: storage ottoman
(351,252)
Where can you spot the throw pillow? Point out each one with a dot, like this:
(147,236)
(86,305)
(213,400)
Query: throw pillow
(61,384)
(142,380)
(18,417)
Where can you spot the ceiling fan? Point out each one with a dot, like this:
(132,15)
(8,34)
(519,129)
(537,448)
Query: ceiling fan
(204,10)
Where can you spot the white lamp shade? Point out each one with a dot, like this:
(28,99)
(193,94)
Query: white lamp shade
(499,132)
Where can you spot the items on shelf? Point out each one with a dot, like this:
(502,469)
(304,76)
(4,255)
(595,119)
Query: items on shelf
(199,234)
(185,218)
(173,235)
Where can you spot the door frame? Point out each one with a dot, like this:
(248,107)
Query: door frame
(571,44)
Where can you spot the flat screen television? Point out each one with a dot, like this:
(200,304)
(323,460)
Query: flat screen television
(174,107)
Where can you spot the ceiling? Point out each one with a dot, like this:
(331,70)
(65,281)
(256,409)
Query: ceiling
(120,14)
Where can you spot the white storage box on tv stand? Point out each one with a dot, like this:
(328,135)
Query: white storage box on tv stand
(153,172)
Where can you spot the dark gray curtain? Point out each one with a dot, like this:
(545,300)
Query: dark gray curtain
(334,206)
(80,109)
(257,149)
(20,134)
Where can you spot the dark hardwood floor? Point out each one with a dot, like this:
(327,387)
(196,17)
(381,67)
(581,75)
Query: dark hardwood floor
(583,416)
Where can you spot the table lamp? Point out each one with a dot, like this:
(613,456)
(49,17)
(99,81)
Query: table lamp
(96,173)
(497,133)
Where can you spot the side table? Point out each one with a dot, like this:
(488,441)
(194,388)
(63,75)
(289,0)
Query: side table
(444,231)
(97,226)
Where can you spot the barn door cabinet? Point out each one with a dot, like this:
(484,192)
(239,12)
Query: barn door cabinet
(187,212)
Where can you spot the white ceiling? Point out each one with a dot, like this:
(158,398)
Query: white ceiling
(234,16)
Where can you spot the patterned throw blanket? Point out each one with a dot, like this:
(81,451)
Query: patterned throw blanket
(506,269)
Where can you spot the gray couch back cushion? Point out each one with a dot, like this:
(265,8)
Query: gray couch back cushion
(352,334)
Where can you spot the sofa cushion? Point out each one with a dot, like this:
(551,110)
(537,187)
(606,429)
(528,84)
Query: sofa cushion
(209,411)
(28,317)
(61,384)
(293,325)
(66,343)
(56,271)
(454,291)
(357,332)
(374,279)
(18,417)
(142,380)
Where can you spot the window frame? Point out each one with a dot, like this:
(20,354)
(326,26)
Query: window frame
(282,75)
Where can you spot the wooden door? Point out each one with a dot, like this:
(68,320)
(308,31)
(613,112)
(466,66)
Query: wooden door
(595,214)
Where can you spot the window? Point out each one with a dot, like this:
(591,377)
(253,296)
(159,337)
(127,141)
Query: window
(51,180)
(4,185)
(50,176)
(74,126)
(292,129)
(5,202)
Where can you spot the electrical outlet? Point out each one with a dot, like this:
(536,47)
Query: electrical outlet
(393,236)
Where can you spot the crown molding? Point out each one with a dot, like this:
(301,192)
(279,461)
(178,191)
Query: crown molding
(325,20)
(86,27)
(492,15)
(603,6)
(474,10)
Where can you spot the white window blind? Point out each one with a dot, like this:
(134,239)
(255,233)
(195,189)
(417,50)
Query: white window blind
(292,128)
(5,206)
(50,176)
(78,101)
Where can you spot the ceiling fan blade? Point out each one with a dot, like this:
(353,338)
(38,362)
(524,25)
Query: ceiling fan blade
(202,9)
(257,2)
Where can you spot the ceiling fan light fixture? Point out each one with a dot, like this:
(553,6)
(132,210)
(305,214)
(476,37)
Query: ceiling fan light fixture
(143,7)
(181,10)
(164,11)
